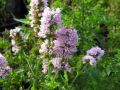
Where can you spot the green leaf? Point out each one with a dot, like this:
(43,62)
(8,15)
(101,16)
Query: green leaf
(26,36)
(32,88)
(66,77)
(24,21)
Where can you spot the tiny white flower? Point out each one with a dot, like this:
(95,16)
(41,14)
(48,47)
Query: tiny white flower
(15,49)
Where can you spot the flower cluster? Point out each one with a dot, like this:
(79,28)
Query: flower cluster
(66,66)
(34,14)
(58,64)
(13,34)
(93,54)
(4,69)
(45,23)
(45,66)
(45,47)
(44,31)
(90,59)
(57,17)
(65,43)
(15,48)
(64,46)
(96,51)
(49,17)
(60,44)
(45,3)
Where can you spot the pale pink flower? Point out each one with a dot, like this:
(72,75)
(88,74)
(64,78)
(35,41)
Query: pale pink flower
(13,32)
(15,49)
(96,52)
(56,62)
(89,59)
(45,66)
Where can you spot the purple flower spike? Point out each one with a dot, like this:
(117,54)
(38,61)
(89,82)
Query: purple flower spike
(65,43)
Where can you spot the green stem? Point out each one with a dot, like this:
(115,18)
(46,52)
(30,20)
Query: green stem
(75,77)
